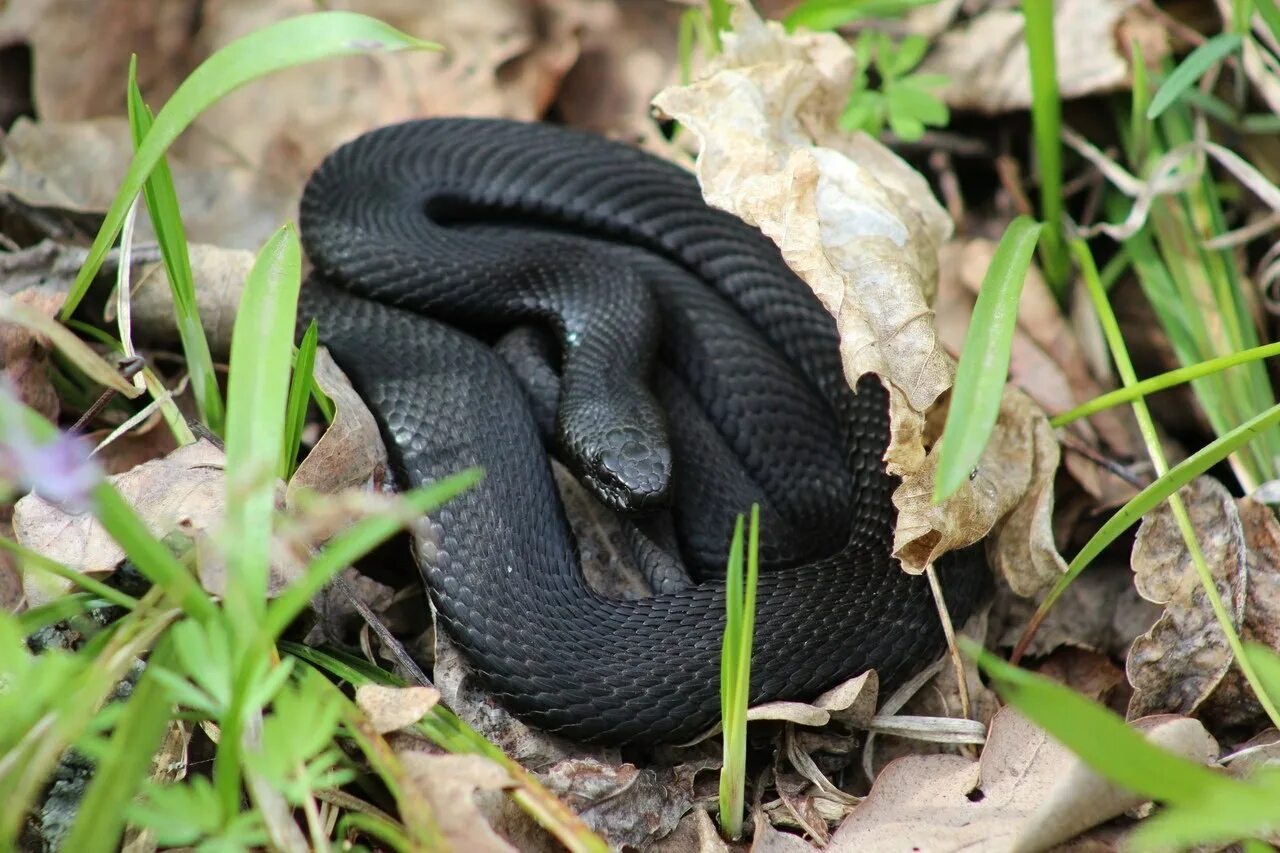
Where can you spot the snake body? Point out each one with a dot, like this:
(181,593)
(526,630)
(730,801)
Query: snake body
(686,372)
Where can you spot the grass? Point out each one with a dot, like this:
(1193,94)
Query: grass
(1187,284)
(223,663)
(735,670)
(208,660)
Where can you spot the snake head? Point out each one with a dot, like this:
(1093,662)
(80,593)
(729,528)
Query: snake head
(629,471)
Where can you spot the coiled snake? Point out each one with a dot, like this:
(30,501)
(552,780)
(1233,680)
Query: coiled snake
(676,365)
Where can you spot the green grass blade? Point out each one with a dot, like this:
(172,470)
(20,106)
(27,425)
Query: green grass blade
(33,559)
(356,541)
(984,363)
(1269,11)
(1046,122)
(88,362)
(294,41)
(735,671)
(101,818)
(1150,497)
(1222,816)
(166,219)
(444,728)
(299,396)
(257,387)
(1192,69)
(821,15)
(68,606)
(1163,381)
(1099,737)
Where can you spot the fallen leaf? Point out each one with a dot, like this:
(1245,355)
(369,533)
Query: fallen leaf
(1026,792)
(695,834)
(630,806)
(80,50)
(625,59)
(78,165)
(863,229)
(350,453)
(986,59)
(12,598)
(185,488)
(449,783)
(1086,672)
(1183,664)
(219,276)
(391,708)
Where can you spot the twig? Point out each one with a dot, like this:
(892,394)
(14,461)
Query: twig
(396,648)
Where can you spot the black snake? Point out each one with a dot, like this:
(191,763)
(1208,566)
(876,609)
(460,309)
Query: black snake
(680,369)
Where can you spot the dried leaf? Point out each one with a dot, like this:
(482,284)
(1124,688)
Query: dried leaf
(1183,664)
(863,230)
(350,453)
(219,276)
(391,708)
(629,806)
(1027,792)
(987,64)
(450,783)
(184,489)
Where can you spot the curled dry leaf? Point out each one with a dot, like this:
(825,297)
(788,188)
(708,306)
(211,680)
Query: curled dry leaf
(391,708)
(450,784)
(986,59)
(1183,664)
(350,453)
(630,806)
(863,229)
(1026,792)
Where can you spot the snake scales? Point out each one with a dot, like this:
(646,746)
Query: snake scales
(675,364)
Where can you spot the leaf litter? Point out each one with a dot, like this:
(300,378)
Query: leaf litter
(854,220)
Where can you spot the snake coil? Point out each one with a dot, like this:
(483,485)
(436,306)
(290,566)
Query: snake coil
(684,372)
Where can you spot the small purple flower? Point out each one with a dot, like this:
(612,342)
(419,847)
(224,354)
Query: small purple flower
(60,471)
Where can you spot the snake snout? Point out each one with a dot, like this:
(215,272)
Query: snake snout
(631,471)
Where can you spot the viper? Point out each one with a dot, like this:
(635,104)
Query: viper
(501,293)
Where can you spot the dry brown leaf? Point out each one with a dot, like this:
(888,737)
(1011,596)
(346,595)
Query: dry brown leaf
(863,229)
(24,354)
(626,59)
(184,489)
(1027,792)
(1183,664)
(350,453)
(630,806)
(502,58)
(80,50)
(986,59)
(77,166)
(1086,672)
(391,708)
(449,783)
(219,276)
(697,833)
